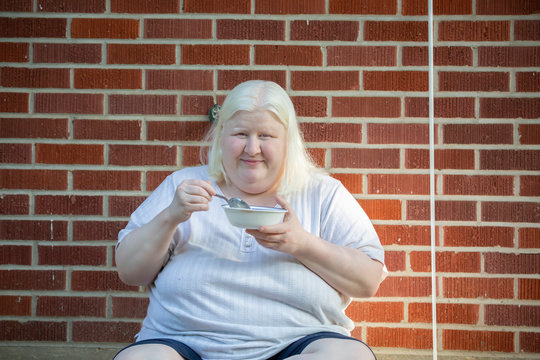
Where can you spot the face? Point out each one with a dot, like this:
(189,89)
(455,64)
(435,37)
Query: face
(253,151)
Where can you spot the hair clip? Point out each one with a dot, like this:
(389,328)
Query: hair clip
(213,113)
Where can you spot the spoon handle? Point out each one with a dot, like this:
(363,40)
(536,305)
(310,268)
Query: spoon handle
(223,197)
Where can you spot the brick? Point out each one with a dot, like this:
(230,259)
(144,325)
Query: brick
(397,133)
(177,130)
(104,331)
(33,179)
(32,280)
(17,5)
(503,263)
(97,230)
(106,180)
(12,330)
(528,81)
(288,55)
(382,209)
(512,315)
(33,230)
(478,185)
(529,134)
(509,159)
(67,53)
(145,7)
(250,29)
(444,107)
(14,52)
(310,106)
(32,27)
(405,235)
(507,7)
(154,178)
(529,342)
(289,7)
(68,204)
(473,81)
(196,105)
(478,236)
(444,159)
(403,184)
(69,154)
(144,155)
(395,80)
(228,79)
(332,132)
(124,205)
(444,210)
(440,7)
(365,158)
(15,305)
(527,30)
(72,255)
(15,255)
(362,56)
(363,7)
(180,79)
(478,288)
(14,204)
(107,129)
(68,103)
(318,30)
(446,261)
(389,312)
(82,280)
(405,286)
(217,6)
(404,338)
(529,185)
(11,102)
(509,56)
(72,306)
(105,28)
(91,6)
(378,107)
(32,128)
(529,238)
(159,54)
(191,155)
(509,108)
(395,31)
(478,134)
(474,31)
(178,28)
(477,340)
(15,153)
(325,80)
(443,56)
(353,182)
(125,307)
(395,260)
(143,104)
(107,79)
(215,54)
(446,313)
(529,289)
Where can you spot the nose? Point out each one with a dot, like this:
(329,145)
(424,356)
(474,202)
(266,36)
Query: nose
(252,146)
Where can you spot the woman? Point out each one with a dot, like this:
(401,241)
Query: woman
(220,292)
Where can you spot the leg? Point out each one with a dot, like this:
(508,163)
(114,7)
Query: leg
(148,352)
(335,348)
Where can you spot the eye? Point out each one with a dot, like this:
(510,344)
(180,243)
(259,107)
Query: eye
(265,136)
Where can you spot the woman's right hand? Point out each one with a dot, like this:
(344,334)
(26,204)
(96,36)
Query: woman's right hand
(190,196)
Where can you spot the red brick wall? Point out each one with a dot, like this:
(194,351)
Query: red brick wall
(101,99)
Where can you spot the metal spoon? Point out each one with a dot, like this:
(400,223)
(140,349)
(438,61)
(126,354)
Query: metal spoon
(235,202)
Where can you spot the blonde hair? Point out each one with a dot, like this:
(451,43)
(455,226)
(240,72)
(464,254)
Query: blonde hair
(268,96)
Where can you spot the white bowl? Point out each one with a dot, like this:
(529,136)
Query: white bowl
(254,217)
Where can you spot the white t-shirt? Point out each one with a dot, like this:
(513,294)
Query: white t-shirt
(227,297)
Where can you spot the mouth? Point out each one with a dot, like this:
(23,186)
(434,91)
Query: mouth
(251,162)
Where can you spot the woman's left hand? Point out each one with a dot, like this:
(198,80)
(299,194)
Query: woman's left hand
(288,236)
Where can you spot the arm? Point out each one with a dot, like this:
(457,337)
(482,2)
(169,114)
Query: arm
(142,253)
(348,270)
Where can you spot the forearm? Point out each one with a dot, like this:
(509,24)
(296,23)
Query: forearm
(141,254)
(348,270)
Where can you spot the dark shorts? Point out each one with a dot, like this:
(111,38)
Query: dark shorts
(293,349)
